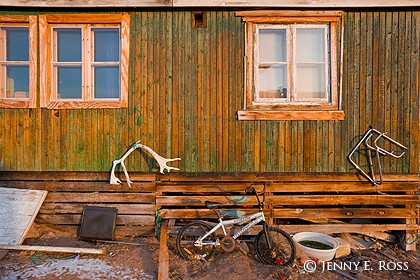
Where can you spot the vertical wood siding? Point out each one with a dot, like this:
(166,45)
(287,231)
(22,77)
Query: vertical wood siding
(186,85)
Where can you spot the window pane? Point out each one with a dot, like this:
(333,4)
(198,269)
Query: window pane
(273,81)
(17,82)
(272,45)
(69,44)
(17,44)
(107,82)
(69,82)
(310,44)
(311,81)
(107,44)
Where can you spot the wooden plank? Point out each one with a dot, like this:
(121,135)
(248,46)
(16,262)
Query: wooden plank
(352,228)
(293,3)
(291,200)
(294,213)
(196,177)
(203,213)
(67,208)
(69,176)
(86,3)
(211,3)
(327,228)
(290,115)
(81,186)
(121,231)
(275,176)
(280,187)
(19,209)
(100,197)
(53,249)
(74,219)
(163,270)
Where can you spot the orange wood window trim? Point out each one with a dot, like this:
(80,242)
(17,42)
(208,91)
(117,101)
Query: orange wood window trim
(290,115)
(48,99)
(31,22)
(283,111)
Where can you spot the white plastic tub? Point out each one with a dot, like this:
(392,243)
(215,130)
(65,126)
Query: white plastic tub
(320,254)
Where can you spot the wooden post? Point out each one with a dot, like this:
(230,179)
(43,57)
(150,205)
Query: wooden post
(410,240)
(163,271)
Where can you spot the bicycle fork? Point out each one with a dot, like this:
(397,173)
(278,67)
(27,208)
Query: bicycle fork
(267,236)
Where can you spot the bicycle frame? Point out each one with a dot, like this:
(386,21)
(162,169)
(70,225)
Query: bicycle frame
(253,218)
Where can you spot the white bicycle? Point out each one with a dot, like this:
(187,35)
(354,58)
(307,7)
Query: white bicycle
(197,240)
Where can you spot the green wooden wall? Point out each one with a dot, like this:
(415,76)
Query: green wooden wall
(186,85)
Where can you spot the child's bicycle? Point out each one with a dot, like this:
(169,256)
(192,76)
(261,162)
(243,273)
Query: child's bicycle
(197,240)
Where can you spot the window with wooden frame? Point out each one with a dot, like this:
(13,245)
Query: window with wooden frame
(18,52)
(291,65)
(84,61)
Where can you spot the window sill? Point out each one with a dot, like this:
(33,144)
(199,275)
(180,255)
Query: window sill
(86,104)
(7,103)
(290,115)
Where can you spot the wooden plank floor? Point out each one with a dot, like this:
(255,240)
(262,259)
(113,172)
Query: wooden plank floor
(18,210)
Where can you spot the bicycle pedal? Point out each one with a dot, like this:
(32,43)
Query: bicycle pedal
(244,247)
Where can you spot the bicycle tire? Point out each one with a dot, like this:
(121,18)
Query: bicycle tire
(282,247)
(185,241)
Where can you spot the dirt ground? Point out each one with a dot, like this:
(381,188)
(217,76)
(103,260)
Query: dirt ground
(139,260)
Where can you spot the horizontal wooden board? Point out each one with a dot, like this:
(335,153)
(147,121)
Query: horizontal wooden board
(345,213)
(74,208)
(101,197)
(351,228)
(120,230)
(294,213)
(290,200)
(293,3)
(86,3)
(327,228)
(289,115)
(254,177)
(280,187)
(79,176)
(68,219)
(81,186)
(211,3)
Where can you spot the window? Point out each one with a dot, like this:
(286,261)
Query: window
(18,61)
(85,61)
(291,66)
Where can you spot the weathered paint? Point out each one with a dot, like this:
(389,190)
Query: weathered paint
(187,83)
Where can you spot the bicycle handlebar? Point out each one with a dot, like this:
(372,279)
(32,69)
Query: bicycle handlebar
(251,189)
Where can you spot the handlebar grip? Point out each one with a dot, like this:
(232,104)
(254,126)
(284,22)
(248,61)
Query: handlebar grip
(250,190)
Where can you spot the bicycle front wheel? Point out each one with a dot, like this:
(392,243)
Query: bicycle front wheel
(186,237)
(274,247)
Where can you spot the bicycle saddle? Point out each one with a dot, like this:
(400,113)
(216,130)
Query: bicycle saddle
(213,205)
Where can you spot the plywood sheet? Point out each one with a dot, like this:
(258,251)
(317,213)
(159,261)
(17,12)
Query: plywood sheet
(18,209)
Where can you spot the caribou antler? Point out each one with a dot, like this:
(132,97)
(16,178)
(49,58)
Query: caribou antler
(160,160)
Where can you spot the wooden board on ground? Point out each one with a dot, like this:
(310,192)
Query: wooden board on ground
(18,212)
(98,251)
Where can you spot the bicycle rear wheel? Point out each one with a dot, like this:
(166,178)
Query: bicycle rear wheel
(186,237)
(282,250)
